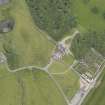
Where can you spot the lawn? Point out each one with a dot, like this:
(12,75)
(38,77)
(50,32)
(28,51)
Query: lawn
(29,88)
(57,67)
(90,14)
(66,78)
(3,71)
(68,59)
(9,91)
(40,89)
(69,83)
(97,95)
(26,44)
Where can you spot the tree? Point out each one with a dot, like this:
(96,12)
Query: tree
(95,10)
(53,16)
(103,15)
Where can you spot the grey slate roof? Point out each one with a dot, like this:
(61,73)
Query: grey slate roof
(6,25)
(2,2)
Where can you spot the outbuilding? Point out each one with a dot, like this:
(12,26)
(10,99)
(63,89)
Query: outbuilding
(6,25)
(2,2)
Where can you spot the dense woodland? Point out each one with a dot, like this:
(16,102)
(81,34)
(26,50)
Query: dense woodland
(83,42)
(56,18)
(53,16)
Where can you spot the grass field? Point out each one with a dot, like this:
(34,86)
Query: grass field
(29,88)
(91,22)
(68,59)
(69,83)
(57,67)
(45,89)
(97,95)
(26,44)
(66,78)
(10,95)
(3,71)
(88,19)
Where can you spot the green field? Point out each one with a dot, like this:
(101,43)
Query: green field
(26,44)
(66,78)
(3,71)
(37,22)
(10,95)
(86,15)
(90,16)
(57,67)
(29,88)
(97,95)
(68,59)
(41,90)
(69,82)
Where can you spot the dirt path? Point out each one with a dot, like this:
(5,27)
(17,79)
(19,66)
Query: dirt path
(70,37)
